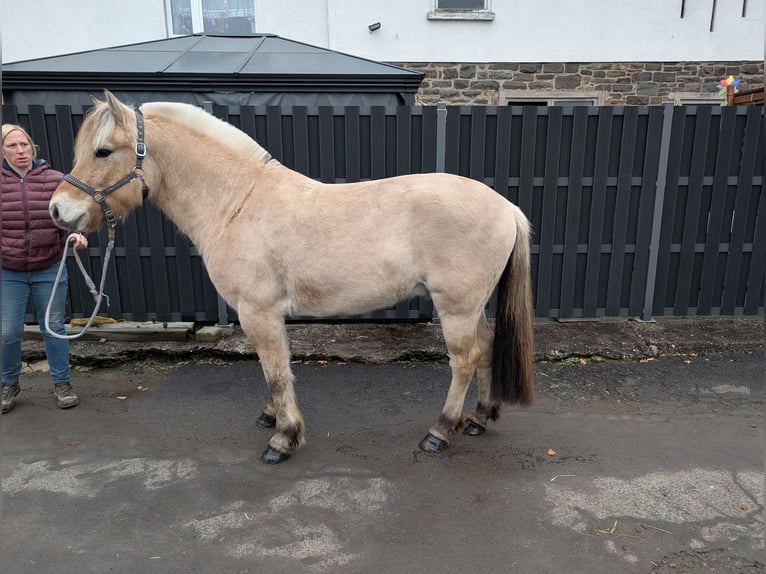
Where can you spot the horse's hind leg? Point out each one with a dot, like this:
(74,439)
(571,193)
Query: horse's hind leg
(486,408)
(267,333)
(460,337)
(268,418)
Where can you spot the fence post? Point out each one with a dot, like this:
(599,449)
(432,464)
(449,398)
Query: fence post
(659,204)
(441,136)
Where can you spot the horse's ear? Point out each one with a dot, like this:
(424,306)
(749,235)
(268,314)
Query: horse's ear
(117,108)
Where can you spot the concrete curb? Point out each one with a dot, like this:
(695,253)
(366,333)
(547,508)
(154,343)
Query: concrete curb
(607,339)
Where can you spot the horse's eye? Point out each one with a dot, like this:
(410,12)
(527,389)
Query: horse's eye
(103,152)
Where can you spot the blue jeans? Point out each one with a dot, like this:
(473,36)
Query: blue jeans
(17,288)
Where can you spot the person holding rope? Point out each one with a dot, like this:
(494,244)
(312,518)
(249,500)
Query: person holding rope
(31,248)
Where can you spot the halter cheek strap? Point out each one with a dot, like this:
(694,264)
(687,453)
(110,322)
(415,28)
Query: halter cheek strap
(99,196)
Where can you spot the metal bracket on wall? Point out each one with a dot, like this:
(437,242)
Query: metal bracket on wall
(712,13)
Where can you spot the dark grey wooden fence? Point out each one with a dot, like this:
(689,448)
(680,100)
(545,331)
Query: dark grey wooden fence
(637,211)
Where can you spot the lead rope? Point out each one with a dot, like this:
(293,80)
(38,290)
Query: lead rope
(97,295)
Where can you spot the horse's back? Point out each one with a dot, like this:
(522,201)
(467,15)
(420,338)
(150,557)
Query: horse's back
(351,248)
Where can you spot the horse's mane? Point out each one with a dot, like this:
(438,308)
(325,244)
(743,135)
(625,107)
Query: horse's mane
(101,127)
(199,119)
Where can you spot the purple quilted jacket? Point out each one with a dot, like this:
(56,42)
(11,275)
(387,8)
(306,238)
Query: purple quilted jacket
(30,240)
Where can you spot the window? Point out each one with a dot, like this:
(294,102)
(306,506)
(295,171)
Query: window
(211,16)
(550,98)
(461,10)
(697,99)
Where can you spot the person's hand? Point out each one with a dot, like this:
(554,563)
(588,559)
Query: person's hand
(79,241)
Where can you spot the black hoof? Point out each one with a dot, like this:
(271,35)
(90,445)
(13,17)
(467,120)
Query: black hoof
(473,429)
(266,421)
(432,444)
(273,456)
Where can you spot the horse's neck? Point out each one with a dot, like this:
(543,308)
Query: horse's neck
(204,189)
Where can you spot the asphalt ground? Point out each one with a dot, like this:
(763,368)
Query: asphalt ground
(644,452)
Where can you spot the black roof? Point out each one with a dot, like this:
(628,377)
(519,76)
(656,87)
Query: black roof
(203,62)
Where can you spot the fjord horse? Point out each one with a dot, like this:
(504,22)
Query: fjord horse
(277,243)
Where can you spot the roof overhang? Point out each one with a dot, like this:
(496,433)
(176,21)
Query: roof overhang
(201,63)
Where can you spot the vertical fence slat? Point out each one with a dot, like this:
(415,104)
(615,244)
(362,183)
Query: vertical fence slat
(526,169)
(10,114)
(159,270)
(753,129)
(427,137)
(574,205)
(274,132)
(326,145)
(184,276)
(301,140)
(546,233)
(650,191)
(247,120)
(717,209)
(134,276)
(452,139)
(65,135)
(377,142)
(674,120)
(353,145)
(403,140)
(684,290)
(621,212)
(478,142)
(38,130)
(503,147)
(755,279)
(597,212)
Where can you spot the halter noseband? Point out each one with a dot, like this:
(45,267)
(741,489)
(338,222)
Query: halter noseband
(99,196)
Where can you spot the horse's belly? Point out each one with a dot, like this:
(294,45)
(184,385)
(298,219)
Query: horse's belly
(353,301)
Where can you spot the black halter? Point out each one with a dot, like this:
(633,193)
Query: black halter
(136,173)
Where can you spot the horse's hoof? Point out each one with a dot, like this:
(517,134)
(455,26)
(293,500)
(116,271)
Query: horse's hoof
(266,421)
(274,456)
(473,429)
(432,444)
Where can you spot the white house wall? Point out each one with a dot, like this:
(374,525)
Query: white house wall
(522,31)
(39,28)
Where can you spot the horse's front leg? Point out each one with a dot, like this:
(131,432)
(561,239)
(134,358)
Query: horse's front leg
(267,333)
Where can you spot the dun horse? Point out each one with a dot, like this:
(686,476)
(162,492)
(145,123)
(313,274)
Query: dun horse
(277,243)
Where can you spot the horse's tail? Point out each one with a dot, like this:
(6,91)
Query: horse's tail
(513,347)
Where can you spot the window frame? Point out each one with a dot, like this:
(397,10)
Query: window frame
(437,13)
(197,18)
(697,98)
(551,97)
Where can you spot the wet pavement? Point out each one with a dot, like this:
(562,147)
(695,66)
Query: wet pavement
(643,453)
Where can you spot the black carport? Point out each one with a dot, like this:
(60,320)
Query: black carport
(261,69)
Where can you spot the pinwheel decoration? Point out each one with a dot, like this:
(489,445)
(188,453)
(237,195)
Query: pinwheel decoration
(723,84)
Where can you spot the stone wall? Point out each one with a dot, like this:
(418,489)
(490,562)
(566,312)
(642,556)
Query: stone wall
(616,83)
